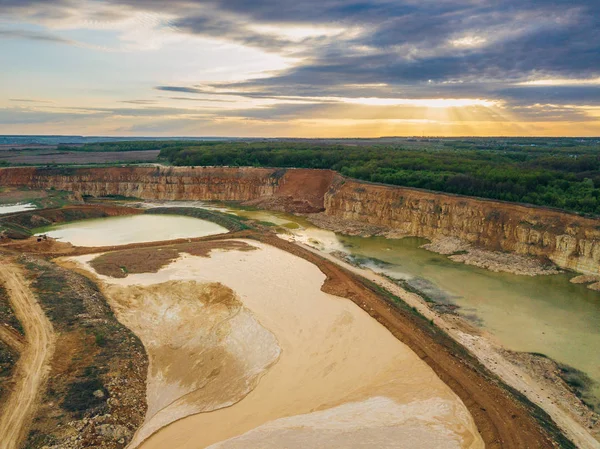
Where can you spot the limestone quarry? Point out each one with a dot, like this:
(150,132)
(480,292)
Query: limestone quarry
(235,334)
(567,240)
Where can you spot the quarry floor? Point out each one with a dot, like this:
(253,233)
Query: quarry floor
(502,419)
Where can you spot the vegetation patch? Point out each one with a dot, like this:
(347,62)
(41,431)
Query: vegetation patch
(580,384)
(118,198)
(99,368)
(86,393)
(14,231)
(120,264)
(8,360)
(7,315)
(268,224)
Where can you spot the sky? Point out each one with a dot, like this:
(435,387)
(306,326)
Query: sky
(300,68)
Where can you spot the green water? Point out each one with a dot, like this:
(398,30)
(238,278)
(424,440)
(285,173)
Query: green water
(543,314)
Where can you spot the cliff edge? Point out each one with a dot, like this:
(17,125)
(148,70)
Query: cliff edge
(568,240)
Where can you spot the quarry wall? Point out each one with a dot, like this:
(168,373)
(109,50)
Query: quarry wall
(568,240)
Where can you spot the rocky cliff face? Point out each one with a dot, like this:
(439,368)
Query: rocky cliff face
(566,239)
(290,190)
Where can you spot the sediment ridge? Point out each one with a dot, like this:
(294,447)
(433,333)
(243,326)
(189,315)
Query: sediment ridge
(568,240)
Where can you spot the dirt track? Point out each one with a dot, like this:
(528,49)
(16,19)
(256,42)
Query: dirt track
(33,365)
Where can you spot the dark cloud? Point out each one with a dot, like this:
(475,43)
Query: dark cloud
(231,30)
(588,95)
(413,49)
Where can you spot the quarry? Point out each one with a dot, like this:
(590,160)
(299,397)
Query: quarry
(252,307)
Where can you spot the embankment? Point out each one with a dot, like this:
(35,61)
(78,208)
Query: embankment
(570,241)
(19,225)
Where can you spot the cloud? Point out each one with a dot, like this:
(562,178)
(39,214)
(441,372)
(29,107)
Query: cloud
(141,102)
(52,114)
(391,49)
(34,36)
(28,100)
(18,116)
(183,89)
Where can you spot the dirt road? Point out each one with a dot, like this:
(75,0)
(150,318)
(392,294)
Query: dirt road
(33,365)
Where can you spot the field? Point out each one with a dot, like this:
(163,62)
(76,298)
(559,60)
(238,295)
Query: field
(53,156)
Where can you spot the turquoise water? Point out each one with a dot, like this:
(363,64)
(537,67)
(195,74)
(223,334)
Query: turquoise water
(544,314)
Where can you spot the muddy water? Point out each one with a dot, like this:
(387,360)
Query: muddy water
(12,208)
(543,314)
(342,380)
(131,229)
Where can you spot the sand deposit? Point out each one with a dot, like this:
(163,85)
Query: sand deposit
(340,374)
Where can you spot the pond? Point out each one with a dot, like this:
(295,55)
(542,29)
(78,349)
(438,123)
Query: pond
(131,229)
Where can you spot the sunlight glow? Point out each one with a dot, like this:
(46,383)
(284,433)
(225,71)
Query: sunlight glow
(423,102)
(562,82)
(469,41)
(297,33)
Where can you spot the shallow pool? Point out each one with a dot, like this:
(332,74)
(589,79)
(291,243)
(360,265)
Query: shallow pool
(131,229)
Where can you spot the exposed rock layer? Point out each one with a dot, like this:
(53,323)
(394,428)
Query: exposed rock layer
(568,240)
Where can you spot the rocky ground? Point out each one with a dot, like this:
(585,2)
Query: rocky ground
(505,262)
(593,282)
(347,227)
(95,397)
(563,385)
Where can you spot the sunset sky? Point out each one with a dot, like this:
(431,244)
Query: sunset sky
(300,68)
